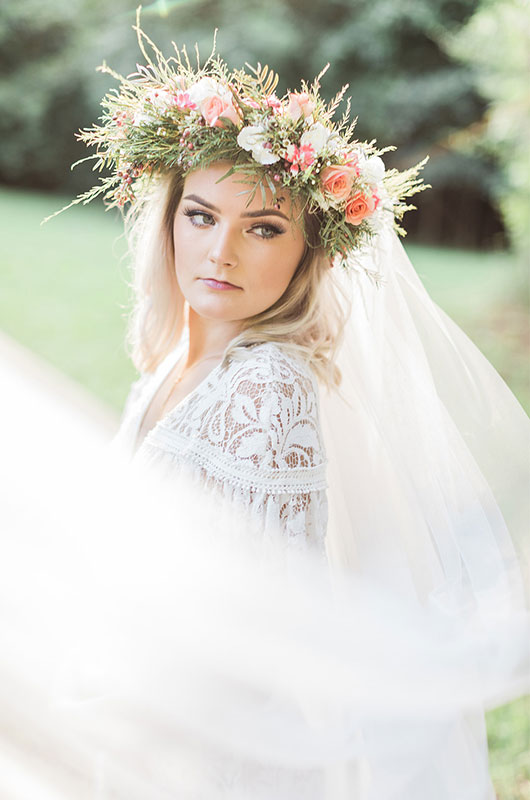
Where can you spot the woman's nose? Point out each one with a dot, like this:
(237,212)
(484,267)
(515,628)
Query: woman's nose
(223,249)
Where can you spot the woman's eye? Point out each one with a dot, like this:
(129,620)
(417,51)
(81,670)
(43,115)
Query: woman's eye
(267,231)
(198,218)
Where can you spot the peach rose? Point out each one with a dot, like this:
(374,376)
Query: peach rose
(337,181)
(214,107)
(360,206)
(299,103)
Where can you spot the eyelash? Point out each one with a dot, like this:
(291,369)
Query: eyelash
(274,230)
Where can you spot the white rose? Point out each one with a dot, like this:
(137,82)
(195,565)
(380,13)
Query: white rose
(316,136)
(254,138)
(250,136)
(373,170)
(204,88)
(263,155)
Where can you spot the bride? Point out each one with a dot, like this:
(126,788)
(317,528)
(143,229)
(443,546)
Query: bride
(236,402)
(294,370)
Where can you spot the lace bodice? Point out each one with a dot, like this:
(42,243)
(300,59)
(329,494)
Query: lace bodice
(249,431)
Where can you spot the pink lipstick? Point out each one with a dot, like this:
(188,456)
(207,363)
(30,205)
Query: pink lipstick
(213,284)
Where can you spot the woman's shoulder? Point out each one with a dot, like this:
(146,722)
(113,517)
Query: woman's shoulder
(277,389)
(274,365)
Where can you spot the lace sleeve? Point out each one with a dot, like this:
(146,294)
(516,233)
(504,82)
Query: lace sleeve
(258,441)
(276,425)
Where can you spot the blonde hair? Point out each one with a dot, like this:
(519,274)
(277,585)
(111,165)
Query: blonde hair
(308,319)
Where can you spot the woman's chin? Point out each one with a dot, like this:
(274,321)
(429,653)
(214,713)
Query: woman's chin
(222,309)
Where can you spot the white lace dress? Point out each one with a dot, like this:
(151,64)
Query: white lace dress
(249,431)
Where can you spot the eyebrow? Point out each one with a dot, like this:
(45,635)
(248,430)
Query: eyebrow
(264,212)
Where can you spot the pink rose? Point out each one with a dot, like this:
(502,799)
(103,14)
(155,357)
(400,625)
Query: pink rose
(215,107)
(360,206)
(299,103)
(338,181)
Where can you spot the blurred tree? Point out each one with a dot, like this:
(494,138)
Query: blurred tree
(405,88)
(496,42)
(41,90)
(408,91)
(48,87)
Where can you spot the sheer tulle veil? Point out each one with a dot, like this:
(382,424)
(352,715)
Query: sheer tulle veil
(429,451)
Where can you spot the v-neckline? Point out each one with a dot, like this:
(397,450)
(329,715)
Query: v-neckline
(171,362)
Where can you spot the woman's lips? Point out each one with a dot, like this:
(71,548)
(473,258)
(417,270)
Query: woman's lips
(214,284)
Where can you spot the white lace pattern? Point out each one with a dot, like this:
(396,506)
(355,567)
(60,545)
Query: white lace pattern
(249,431)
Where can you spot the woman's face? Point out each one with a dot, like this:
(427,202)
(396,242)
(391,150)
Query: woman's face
(233,261)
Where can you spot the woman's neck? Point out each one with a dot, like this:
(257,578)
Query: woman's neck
(208,337)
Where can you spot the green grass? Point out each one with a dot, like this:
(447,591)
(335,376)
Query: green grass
(63,289)
(487,295)
(509,749)
(63,294)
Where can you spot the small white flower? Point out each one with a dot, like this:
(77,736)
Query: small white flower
(383,216)
(317,136)
(373,170)
(333,143)
(141,119)
(161,98)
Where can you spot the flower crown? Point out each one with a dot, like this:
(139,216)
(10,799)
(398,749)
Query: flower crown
(169,116)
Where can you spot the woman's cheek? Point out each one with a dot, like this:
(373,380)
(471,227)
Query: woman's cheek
(267,282)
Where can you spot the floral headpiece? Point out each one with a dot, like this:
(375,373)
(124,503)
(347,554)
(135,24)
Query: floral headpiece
(169,116)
